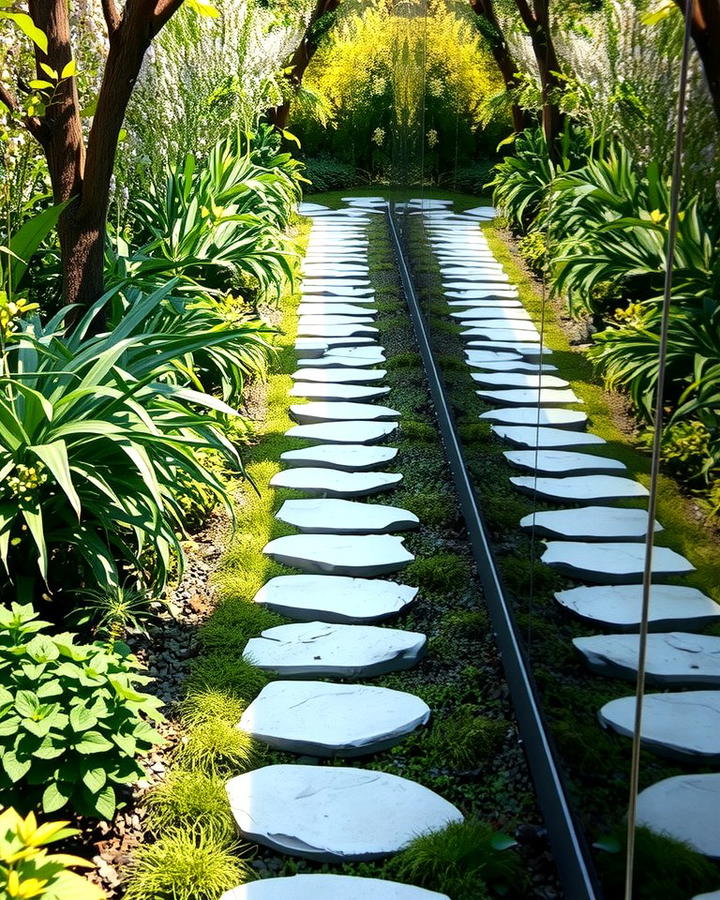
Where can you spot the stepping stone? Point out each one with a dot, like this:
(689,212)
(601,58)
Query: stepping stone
(351,457)
(524,349)
(529,436)
(685,808)
(331,391)
(337,516)
(339,376)
(337,411)
(513,314)
(360,352)
(319,301)
(499,303)
(561,461)
(311,347)
(578,488)
(304,208)
(482,212)
(329,650)
(337,270)
(320,285)
(336,331)
(524,415)
(356,293)
(329,887)
(683,726)
(674,659)
(713,895)
(488,285)
(672,606)
(334,814)
(481,357)
(494,332)
(614,562)
(339,362)
(338,343)
(334,598)
(526,396)
(591,523)
(519,380)
(321,318)
(513,366)
(343,432)
(493,271)
(339,554)
(314,718)
(336,309)
(334,483)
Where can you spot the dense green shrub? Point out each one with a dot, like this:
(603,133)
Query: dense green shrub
(72,720)
(28,871)
(327,174)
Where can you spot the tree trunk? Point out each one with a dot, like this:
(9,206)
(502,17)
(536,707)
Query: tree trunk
(485,9)
(706,36)
(300,60)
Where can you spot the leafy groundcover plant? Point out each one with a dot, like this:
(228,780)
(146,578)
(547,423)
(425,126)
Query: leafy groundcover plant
(29,872)
(72,720)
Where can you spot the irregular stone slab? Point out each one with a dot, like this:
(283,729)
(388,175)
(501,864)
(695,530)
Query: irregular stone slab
(529,436)
(336,309)
(674,659)
(327,650)
(336,331)
(330,887)
(481,357)
(360,352)
(518,365)
(686,808)
(339,376)
(335,483)
(527,396)
(529,335)
(315,718)
(472,296)
(512,314)
(613,562)
(525,349)
(591,523)
(713,895)
(337,343)
(527,415)
(304,208)
(334,814)
(337,291)
(482,212)
(338,554)
(334,270)
(345,517)
(337,411)
(339,362)
(331,391)
(499,303)
(325,285)
(334,598)
(318,301)
(683,726)
(519,380)
(672,606)
(492,271)
(488,284)
(562,461)
(311,347)
(331,319)
(351,457)
(578,488)
(343,432)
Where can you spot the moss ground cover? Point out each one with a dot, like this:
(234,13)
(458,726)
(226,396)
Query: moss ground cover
(597,762)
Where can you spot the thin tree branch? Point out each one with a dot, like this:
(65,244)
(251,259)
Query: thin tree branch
(526,14)
(7,99)
(164,10)
(112,16)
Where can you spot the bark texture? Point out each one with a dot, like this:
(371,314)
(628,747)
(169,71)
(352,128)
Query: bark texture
(706,36)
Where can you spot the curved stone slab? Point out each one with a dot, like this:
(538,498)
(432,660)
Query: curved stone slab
(480,358)
(337,411)
(501,335)
(329,390)
(529,350)
(336,483)
(510,366)
(674,659)
(305,346)
(499,303)
(329,887)
(338,554)
(315,718)
(334,814)
(683,726)
(561,461)
(336,331)
(686,808)
(334,270)
(488,285)
(335,286)
(472,273)
(482,212)
(527,415)
(335,309)
(347,375)
(304,208)
(341,362)
(321,319)
(336,516)
(491,312)
(520,380)
(357,352)
(350,457)
(614,562)
(545,397)
(673,607)
(328,650)
(334,598)
(486,292)
(343,432)
(311,347)
(529,436)
(713,895)
(578,488)
(590,523)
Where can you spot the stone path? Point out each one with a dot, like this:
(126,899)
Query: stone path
(325,812)
(596,536)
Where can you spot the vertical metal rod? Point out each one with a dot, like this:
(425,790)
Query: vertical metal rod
(656,453)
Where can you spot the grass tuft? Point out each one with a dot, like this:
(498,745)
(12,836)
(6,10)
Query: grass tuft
(445,572)
(204,704)
(187,798)
(218,747)
(464,739)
